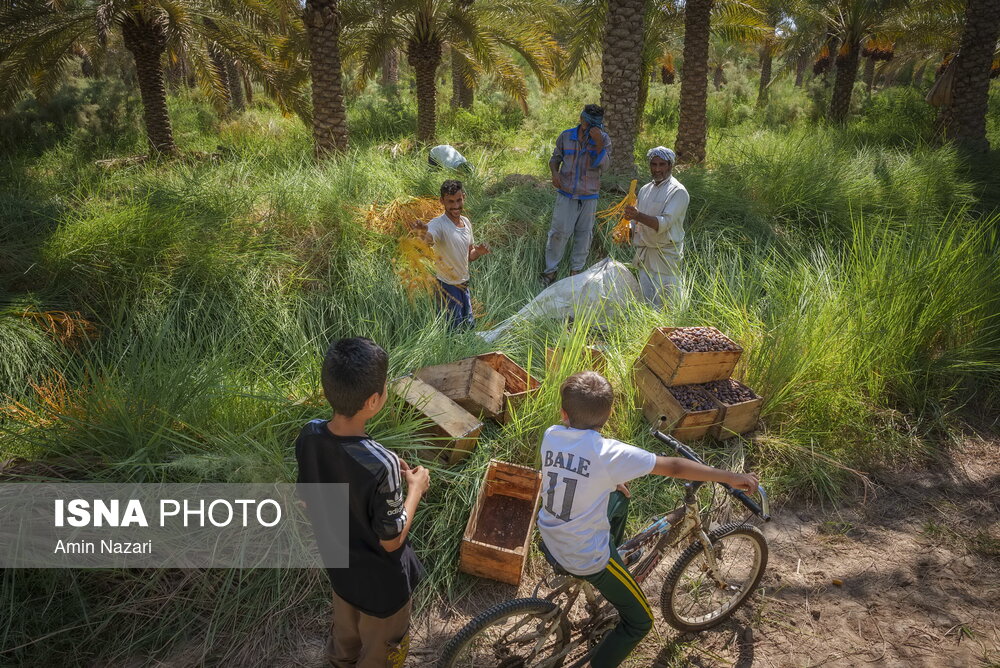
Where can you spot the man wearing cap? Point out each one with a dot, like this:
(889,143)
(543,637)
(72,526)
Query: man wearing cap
(580,156)
(658,228)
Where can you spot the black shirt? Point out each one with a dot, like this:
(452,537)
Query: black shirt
(377,582)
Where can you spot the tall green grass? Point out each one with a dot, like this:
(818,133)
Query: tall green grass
(855,266)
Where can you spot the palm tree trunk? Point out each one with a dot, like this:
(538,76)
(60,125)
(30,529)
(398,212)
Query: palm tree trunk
(235,79)
(800,68)
(390,68)
(718,78)
(247,86)
(970,90)
(918,77)
(869,73)
(146,41)
(621,74)
(692,127)
(462,95)
(322,19)
(843,87)
(425,58)
(765,76)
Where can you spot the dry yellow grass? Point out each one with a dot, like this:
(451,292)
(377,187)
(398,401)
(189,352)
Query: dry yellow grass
(400,214)
(621,234)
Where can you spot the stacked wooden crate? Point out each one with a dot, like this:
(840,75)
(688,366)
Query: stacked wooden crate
(457,396)
(683,384)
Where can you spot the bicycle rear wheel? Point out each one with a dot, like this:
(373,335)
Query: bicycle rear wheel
(693,598)
(521,633)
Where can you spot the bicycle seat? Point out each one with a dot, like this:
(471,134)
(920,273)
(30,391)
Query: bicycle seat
(559,570)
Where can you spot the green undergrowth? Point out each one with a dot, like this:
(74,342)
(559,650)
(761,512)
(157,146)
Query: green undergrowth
(857,266)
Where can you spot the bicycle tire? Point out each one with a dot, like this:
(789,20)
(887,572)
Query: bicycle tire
(687,559)
(451,655)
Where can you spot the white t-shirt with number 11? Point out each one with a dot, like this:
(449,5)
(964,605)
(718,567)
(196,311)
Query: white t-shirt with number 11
(580,470)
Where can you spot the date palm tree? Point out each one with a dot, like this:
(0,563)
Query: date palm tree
(971,85)
(38,40)
(664,20)
(489,39)
(329,115)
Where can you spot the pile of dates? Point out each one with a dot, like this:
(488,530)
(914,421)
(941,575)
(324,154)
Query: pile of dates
(691,398)
(701,340)
(730,392)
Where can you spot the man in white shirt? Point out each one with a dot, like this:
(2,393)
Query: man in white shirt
(454,247)
(585,504)
(658,228)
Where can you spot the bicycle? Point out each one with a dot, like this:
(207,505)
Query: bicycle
(713,576)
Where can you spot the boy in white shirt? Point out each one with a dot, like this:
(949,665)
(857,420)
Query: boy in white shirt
(585,504)
(454,247)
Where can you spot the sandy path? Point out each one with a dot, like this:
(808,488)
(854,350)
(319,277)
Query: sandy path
(918,568)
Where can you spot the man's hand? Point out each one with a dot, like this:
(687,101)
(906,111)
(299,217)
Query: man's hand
(745,482)
(479,251)
(557,182)
(630,213)
(623,488)
(417,226)
(598,137)
(417,479)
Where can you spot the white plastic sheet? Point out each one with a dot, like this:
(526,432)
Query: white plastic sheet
(601,290)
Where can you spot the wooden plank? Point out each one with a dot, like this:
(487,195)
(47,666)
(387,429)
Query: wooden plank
(448,418)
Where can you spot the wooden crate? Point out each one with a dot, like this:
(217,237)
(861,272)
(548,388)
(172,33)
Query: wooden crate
(594,358)
(498,534)
(676,367)
(450,420)
(736,419)
(518,383)
(471,383)
(657,400)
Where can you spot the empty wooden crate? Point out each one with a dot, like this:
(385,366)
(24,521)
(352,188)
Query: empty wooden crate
(498,534)
(736,418)
(458,426)
(678,367)
(657,399)
(471,383)
(518,383)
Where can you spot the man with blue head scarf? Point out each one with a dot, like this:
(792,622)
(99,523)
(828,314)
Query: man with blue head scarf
(580,157)
(658,228)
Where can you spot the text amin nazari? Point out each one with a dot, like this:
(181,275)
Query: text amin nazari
(102,547)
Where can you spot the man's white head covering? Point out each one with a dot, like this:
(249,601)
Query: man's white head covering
(662,152)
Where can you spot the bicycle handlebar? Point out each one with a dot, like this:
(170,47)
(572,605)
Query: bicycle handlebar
(762,509)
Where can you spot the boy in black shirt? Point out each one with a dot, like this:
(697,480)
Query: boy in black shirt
(371,598)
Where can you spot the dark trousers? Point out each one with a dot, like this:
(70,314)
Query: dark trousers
(458,301)
(616,584)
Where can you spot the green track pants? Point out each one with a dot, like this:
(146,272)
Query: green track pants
(617,585)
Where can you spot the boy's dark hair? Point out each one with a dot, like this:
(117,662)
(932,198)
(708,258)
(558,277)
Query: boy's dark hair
(587,398)
(450,187)
(594,110)
(353,370)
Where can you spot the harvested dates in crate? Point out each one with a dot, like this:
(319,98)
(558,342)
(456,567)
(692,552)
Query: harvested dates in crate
(691,398)
(730,391)
(701,340)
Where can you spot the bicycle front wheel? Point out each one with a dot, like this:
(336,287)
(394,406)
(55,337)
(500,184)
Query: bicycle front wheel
(522,633)
(694,598)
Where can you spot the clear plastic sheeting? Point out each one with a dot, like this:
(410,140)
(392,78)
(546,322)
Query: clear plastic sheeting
(599,291)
